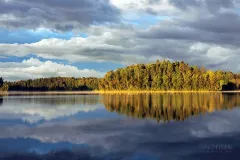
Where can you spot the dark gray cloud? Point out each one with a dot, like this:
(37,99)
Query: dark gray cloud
(59,15)
(184,4)
(211,5)
(202,30)
(211,22)
(227,23)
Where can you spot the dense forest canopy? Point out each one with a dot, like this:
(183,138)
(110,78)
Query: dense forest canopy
(169,76)
(55,84)
(159,76)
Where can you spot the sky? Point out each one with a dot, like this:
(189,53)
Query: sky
(81,38)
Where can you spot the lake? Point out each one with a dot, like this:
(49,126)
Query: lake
(120,126)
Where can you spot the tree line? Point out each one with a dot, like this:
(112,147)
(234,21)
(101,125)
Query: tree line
(165,75)
(55,84)
(159,76)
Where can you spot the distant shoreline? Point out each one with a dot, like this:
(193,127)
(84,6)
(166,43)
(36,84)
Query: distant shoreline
(49,93)
(102,92)
(125,91)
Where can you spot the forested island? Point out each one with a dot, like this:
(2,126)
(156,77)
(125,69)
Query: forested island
(159,76)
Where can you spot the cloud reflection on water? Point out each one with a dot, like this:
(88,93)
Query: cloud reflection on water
(125,137)
(36,108)
(130,138)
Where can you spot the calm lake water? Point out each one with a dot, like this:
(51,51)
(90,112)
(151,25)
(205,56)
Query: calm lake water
(121,127)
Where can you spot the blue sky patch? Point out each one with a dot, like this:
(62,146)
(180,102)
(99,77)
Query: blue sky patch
(98,66)
(22,36)
(143,20)
(20,59)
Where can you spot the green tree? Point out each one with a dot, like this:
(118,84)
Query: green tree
(3,86)
(158,76)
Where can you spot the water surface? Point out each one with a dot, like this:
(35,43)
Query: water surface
(129,127)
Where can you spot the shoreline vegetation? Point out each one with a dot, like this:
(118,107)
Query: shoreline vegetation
(129,92)
(156,77)
(103,92)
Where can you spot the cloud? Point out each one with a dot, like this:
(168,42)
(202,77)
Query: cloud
(154,7)
(179,31)
(58,15)
(230,23)
(212,6)
(34,68)
(200,29)
(107,46)
(134,46)
(175,8)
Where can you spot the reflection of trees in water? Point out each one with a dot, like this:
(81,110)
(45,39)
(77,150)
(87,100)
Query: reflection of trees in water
(57,100)
(169,106)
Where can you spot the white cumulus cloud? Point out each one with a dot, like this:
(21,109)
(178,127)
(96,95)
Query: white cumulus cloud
(34,68)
